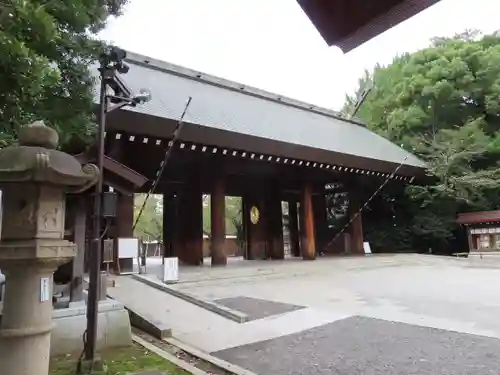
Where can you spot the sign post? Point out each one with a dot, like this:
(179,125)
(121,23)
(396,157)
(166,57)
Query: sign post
(367,248)
(171,270)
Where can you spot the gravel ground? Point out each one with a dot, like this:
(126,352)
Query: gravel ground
(257,308)
(366,346)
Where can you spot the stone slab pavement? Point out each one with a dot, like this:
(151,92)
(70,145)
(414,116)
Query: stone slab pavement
(417,291)
(205,330)
(367,346)
(256,308)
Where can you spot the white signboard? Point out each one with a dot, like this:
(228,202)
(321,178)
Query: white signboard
(45,289)
(171,270)
(367,248)
(128,248)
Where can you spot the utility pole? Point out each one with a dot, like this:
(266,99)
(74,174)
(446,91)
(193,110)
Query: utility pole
(111,63)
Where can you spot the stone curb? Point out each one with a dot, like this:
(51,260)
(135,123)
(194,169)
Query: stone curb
(224,311)
(169,357)
(146,323)
(220,363)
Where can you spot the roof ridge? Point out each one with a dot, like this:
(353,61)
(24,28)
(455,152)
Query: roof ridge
(182,71)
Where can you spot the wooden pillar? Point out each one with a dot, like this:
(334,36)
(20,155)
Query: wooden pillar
(124,228)
(171,225)
(167,225)
(218,223)
(256,234)
(356,227)
(320,221)
(191,231)
(293,227)
(79,237)
(245,221)
(308,245)
(125,215)
(301,225)
(469,239)
(274,214)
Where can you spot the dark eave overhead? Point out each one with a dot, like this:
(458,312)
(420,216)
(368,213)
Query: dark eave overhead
(116,175)
(350,23)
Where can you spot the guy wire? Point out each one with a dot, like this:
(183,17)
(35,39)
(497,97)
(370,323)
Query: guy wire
(164,162)
(388,178)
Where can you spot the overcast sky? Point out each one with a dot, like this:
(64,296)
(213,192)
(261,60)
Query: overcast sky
(271,44)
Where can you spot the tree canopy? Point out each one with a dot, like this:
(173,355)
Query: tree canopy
(150,224)
(47,47)
(233,215)
(443,104)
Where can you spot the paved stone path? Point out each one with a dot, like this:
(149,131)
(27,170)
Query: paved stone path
(366,346)
(257,308)
(408,314)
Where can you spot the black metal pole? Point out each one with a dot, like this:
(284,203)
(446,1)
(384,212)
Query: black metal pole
(95,252)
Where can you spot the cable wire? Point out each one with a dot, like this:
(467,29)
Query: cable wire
(164,162)
(388,178)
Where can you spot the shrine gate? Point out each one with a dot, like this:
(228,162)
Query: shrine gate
(240,141)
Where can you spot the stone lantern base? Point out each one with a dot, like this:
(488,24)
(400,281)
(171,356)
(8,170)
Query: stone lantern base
(27,304)
(34,179)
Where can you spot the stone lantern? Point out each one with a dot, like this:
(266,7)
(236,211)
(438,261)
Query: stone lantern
(34,178)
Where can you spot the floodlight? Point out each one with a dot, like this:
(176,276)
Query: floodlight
(144,96)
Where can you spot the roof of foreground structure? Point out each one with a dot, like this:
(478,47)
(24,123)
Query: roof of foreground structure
(349,23)
(228,114)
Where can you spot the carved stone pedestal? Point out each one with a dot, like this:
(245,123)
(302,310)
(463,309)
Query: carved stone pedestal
(27,318)
(34,178)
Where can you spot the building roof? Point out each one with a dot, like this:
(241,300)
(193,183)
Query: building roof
(349,23)
(230,107)
(479,217)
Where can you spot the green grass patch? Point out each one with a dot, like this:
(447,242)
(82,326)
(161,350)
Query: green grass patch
(119,361)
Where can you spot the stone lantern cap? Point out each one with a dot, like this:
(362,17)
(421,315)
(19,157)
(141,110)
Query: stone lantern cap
(35,159)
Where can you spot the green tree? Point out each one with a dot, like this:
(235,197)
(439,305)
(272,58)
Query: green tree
(46,47)
(443,104)
(233,215)
(150,224)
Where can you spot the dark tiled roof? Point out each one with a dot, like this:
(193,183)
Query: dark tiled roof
(479,217)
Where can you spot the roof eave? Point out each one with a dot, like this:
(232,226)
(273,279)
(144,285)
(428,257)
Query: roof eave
(378,25)
(124,121)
